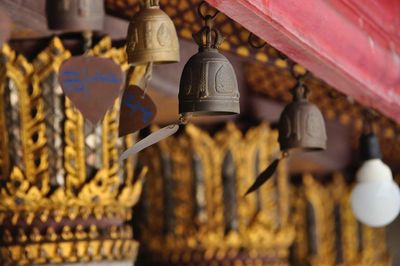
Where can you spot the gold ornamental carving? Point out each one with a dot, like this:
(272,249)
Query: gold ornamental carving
(64,196)
(327,232)
(202,215)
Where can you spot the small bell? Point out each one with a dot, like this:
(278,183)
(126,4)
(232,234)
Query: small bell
(301,125)
(208,83)
(152,36)
(75,15)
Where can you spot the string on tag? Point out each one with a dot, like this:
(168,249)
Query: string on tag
(87,41)
(147,77)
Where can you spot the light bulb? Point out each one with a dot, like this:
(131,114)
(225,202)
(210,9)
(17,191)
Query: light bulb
(375,200)
(374,170)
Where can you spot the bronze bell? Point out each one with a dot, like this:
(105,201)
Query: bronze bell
(301,125)
(208,83)
(75,15)
(152,36)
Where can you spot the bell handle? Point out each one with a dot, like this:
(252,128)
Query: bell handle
(300,91)
(145,3)
(204,38)
(218,38)
(149,3)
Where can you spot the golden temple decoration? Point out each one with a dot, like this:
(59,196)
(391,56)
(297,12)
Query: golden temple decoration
(63,197)
(193,211)
(193,208)
(327,232)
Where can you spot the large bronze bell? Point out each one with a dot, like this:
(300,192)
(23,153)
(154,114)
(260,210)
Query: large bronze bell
(75,15)
(208,83)
(152,36)
(301,125)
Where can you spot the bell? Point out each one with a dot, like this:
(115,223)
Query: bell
(75,15)
(152,36)
(301,125)
(208,83)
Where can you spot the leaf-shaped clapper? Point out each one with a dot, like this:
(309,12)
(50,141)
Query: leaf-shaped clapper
(264,176)
(151,139)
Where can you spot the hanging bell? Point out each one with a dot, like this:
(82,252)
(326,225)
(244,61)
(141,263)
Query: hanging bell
(208,83)
(152,36)
(75,15)
(301,125)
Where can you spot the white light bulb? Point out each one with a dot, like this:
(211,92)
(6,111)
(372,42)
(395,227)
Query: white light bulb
(375,200)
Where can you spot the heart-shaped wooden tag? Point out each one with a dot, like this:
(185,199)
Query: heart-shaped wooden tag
(92,84)
(137,110)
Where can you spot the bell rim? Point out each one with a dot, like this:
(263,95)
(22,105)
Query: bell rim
(210,107)
(304,149)
(64,25)
(159,62)
(298,147)
(210,113)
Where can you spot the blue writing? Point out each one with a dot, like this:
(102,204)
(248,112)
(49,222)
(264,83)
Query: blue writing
(70,72)
(105,78)
(72,80)
(74,77)
(147,114)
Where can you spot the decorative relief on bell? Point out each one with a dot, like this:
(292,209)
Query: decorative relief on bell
(314,125)
(163,36)
(148,35)
(223,85)
(152,36)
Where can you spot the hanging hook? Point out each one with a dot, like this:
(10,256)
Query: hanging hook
(206,16)
(207,31)
(252,42)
